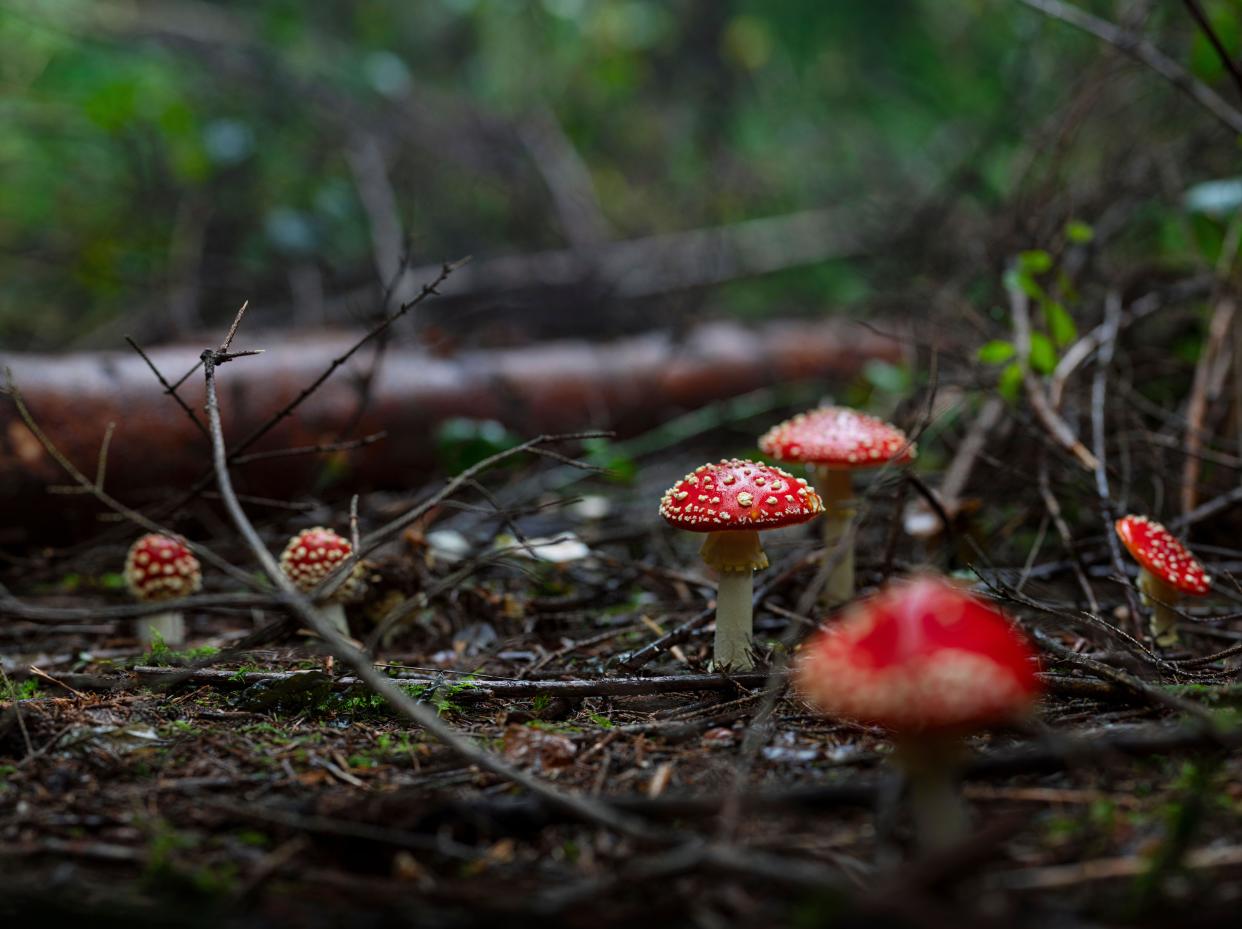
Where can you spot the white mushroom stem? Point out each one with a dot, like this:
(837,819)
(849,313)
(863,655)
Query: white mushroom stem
(1161,598)
(334,613)
(931,767)
(168,627)
(837,490)
(735,621)
(736,554)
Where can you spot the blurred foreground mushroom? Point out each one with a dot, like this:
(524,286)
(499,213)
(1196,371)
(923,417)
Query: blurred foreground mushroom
(837,441)
(930,663)
(1167,570)
(158,567)
(734,501)
(312,555)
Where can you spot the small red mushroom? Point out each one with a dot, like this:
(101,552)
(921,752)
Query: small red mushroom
(158,567)
(312,555)
(930,663)
(835,442)
(1167,570)
(732,502)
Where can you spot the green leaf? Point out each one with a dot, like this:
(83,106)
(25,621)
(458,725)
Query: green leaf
(1043,356)
(1035,261)
(1060,324)
(996,352)
(1010,383)
(894,379)
(1078,232)
(1021,280)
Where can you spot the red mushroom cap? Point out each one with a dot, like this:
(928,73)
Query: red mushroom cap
(920,656)
(839,438)
(739,494)
(1162,555)
(159,567)
(313,554)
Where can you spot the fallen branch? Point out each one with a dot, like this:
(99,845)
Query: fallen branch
(630,385)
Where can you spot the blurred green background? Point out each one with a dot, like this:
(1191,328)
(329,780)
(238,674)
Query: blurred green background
(162,161)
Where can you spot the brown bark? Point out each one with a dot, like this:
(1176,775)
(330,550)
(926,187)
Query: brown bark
(629,385)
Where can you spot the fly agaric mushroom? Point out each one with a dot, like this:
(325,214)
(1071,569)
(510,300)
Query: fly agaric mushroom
(835,442)
(929,663)
(1166,571)
(312,555)
(158,567)
(733,502)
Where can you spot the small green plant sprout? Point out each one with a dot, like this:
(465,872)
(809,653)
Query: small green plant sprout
(1167,570)
(835,442)
(159,567)
(1035,274)
(732,502)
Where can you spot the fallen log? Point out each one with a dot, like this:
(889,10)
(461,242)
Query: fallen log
(629,386)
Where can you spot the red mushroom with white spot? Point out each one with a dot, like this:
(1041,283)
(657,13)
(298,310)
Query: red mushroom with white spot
(312,555)
(836,442)
(159,567)
(930,663)
(1167,570)
(733,502)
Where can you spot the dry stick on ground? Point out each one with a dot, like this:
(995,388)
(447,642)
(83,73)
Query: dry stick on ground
(1144,52)
(1074,356)
(1053,506)
(1208,383)
(485,688)
(581,807)
(1209,509)
(373,540)
(10,606)
(1099,388)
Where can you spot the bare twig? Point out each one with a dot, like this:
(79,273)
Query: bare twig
(1144,52)
(1049,418)
(579,806)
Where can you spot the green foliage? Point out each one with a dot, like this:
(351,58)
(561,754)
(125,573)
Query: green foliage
(215,149)
(159,655)
(462,442)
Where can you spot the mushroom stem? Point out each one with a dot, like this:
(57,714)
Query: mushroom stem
(931,771)
(1161,598)
(837,490)
(334,613)
(168,627)
(734,621)
(736,554)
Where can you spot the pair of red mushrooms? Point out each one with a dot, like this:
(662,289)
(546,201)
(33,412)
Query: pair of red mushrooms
(159,567)
(735,500)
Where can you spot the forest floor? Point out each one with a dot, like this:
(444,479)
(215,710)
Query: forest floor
(272,788)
